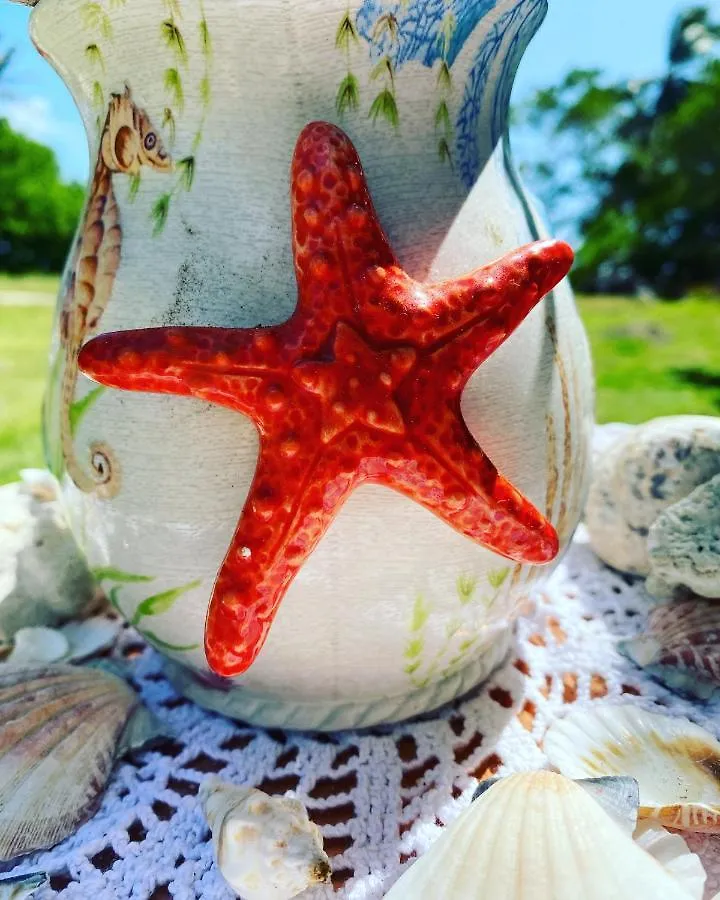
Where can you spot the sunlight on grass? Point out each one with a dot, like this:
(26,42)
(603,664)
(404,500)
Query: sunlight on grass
(651,359)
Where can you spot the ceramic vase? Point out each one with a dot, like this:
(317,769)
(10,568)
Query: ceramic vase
(192,109)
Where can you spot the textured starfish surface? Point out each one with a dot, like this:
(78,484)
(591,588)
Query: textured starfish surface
(361,384)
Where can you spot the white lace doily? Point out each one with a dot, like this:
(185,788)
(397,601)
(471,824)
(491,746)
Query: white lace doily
(380,796)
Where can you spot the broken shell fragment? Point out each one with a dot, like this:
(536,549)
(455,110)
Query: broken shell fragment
(38,646)
(16,887)
(90,636)
(266,847)
(536,836)
(676,763)
(674,855)
(680,646)
(61,728)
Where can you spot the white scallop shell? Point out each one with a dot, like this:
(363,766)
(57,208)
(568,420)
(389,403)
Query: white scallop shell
(266,847)
(61,728)
(676,763)
(536,836)
(674,855)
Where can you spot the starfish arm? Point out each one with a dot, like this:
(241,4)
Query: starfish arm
(447,472)
(501,293)
(337,238)
(240,369)
(296,492)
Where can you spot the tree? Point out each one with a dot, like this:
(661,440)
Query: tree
(38,213)
(642,167)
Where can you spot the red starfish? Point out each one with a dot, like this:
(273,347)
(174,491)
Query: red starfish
(361,384)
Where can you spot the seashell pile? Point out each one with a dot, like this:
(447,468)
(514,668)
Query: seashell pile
(541,836)
(680,646)
(61,729)
(16,887)
(266,847)
(646,472)
(675,763)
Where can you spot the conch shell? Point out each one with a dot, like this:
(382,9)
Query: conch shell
(537,836)
(266,847)
(61,728)
(676,763)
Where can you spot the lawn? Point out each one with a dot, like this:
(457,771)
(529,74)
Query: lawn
(651,359)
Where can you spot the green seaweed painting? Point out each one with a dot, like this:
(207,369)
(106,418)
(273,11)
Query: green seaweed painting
(155,605)
(443,123)
(459,642)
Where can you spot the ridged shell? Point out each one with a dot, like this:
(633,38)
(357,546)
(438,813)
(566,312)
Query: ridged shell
(676,763)
(266,847)
(60,730)
(680,646)
(674,855)
(16,887)
(537,836)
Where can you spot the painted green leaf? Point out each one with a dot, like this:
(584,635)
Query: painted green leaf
(467,644)
(163,645)
(205,90)
(420,614)
(498,578)
(447,30)
(414,648)
(444,151)
(187,171)
(95,56)
(135,182)
(173,7)
(444,78)
(108,573)
(174,39)
(384,106)
(98,94)
(173,85)
(95,18)
(81,407)
(442,118)
(386,23)
(159,213)
(114,598)
(384,69)
(346,33)
(466,586)
(452,628)
(348,95)
(161,603)
(169,123)
(412,667)
(197,140)
(205,39)
(117,4)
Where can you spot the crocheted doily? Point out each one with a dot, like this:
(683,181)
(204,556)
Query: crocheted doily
(382,796)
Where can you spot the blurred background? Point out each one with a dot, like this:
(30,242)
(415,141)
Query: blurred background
(616,128)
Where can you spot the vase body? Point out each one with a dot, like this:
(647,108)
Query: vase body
(394,612)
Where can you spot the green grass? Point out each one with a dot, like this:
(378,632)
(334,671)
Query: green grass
(651,359)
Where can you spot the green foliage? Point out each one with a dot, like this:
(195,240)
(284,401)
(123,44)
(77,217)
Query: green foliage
(444,78)
(174,40)
(348,95)
(187,171)
(384,69)
(159,604)
(98,95)
(174,87)
(109,573)
(38,213)
(160,212)
(169,124)
(205,39)
(346,33)
(95,18)
(384,106)
(94,55)
(134,188)
(163,645)
(81,407)
(645,157)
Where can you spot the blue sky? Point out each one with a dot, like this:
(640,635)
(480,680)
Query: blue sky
(626,38)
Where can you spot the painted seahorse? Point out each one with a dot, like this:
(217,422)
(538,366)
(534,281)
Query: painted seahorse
(128,142)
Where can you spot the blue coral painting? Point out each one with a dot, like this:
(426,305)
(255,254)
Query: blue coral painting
(433,32)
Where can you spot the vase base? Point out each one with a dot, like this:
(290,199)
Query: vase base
(267,710)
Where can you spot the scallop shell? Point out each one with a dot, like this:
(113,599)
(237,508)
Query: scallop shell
(676,763)
(266,847)
(15,887)
(61,728)
(681,647)
(536,836)
(674,855)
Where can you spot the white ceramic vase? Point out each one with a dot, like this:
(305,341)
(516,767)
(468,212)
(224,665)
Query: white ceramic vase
(192,109)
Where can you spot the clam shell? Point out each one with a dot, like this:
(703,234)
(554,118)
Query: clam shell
(15,887)
(266,847)
(674,855)
(676,763)
(681,647)
(536,836)
(60,730)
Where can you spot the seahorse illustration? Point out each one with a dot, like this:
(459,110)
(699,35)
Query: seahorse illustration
(128,142)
